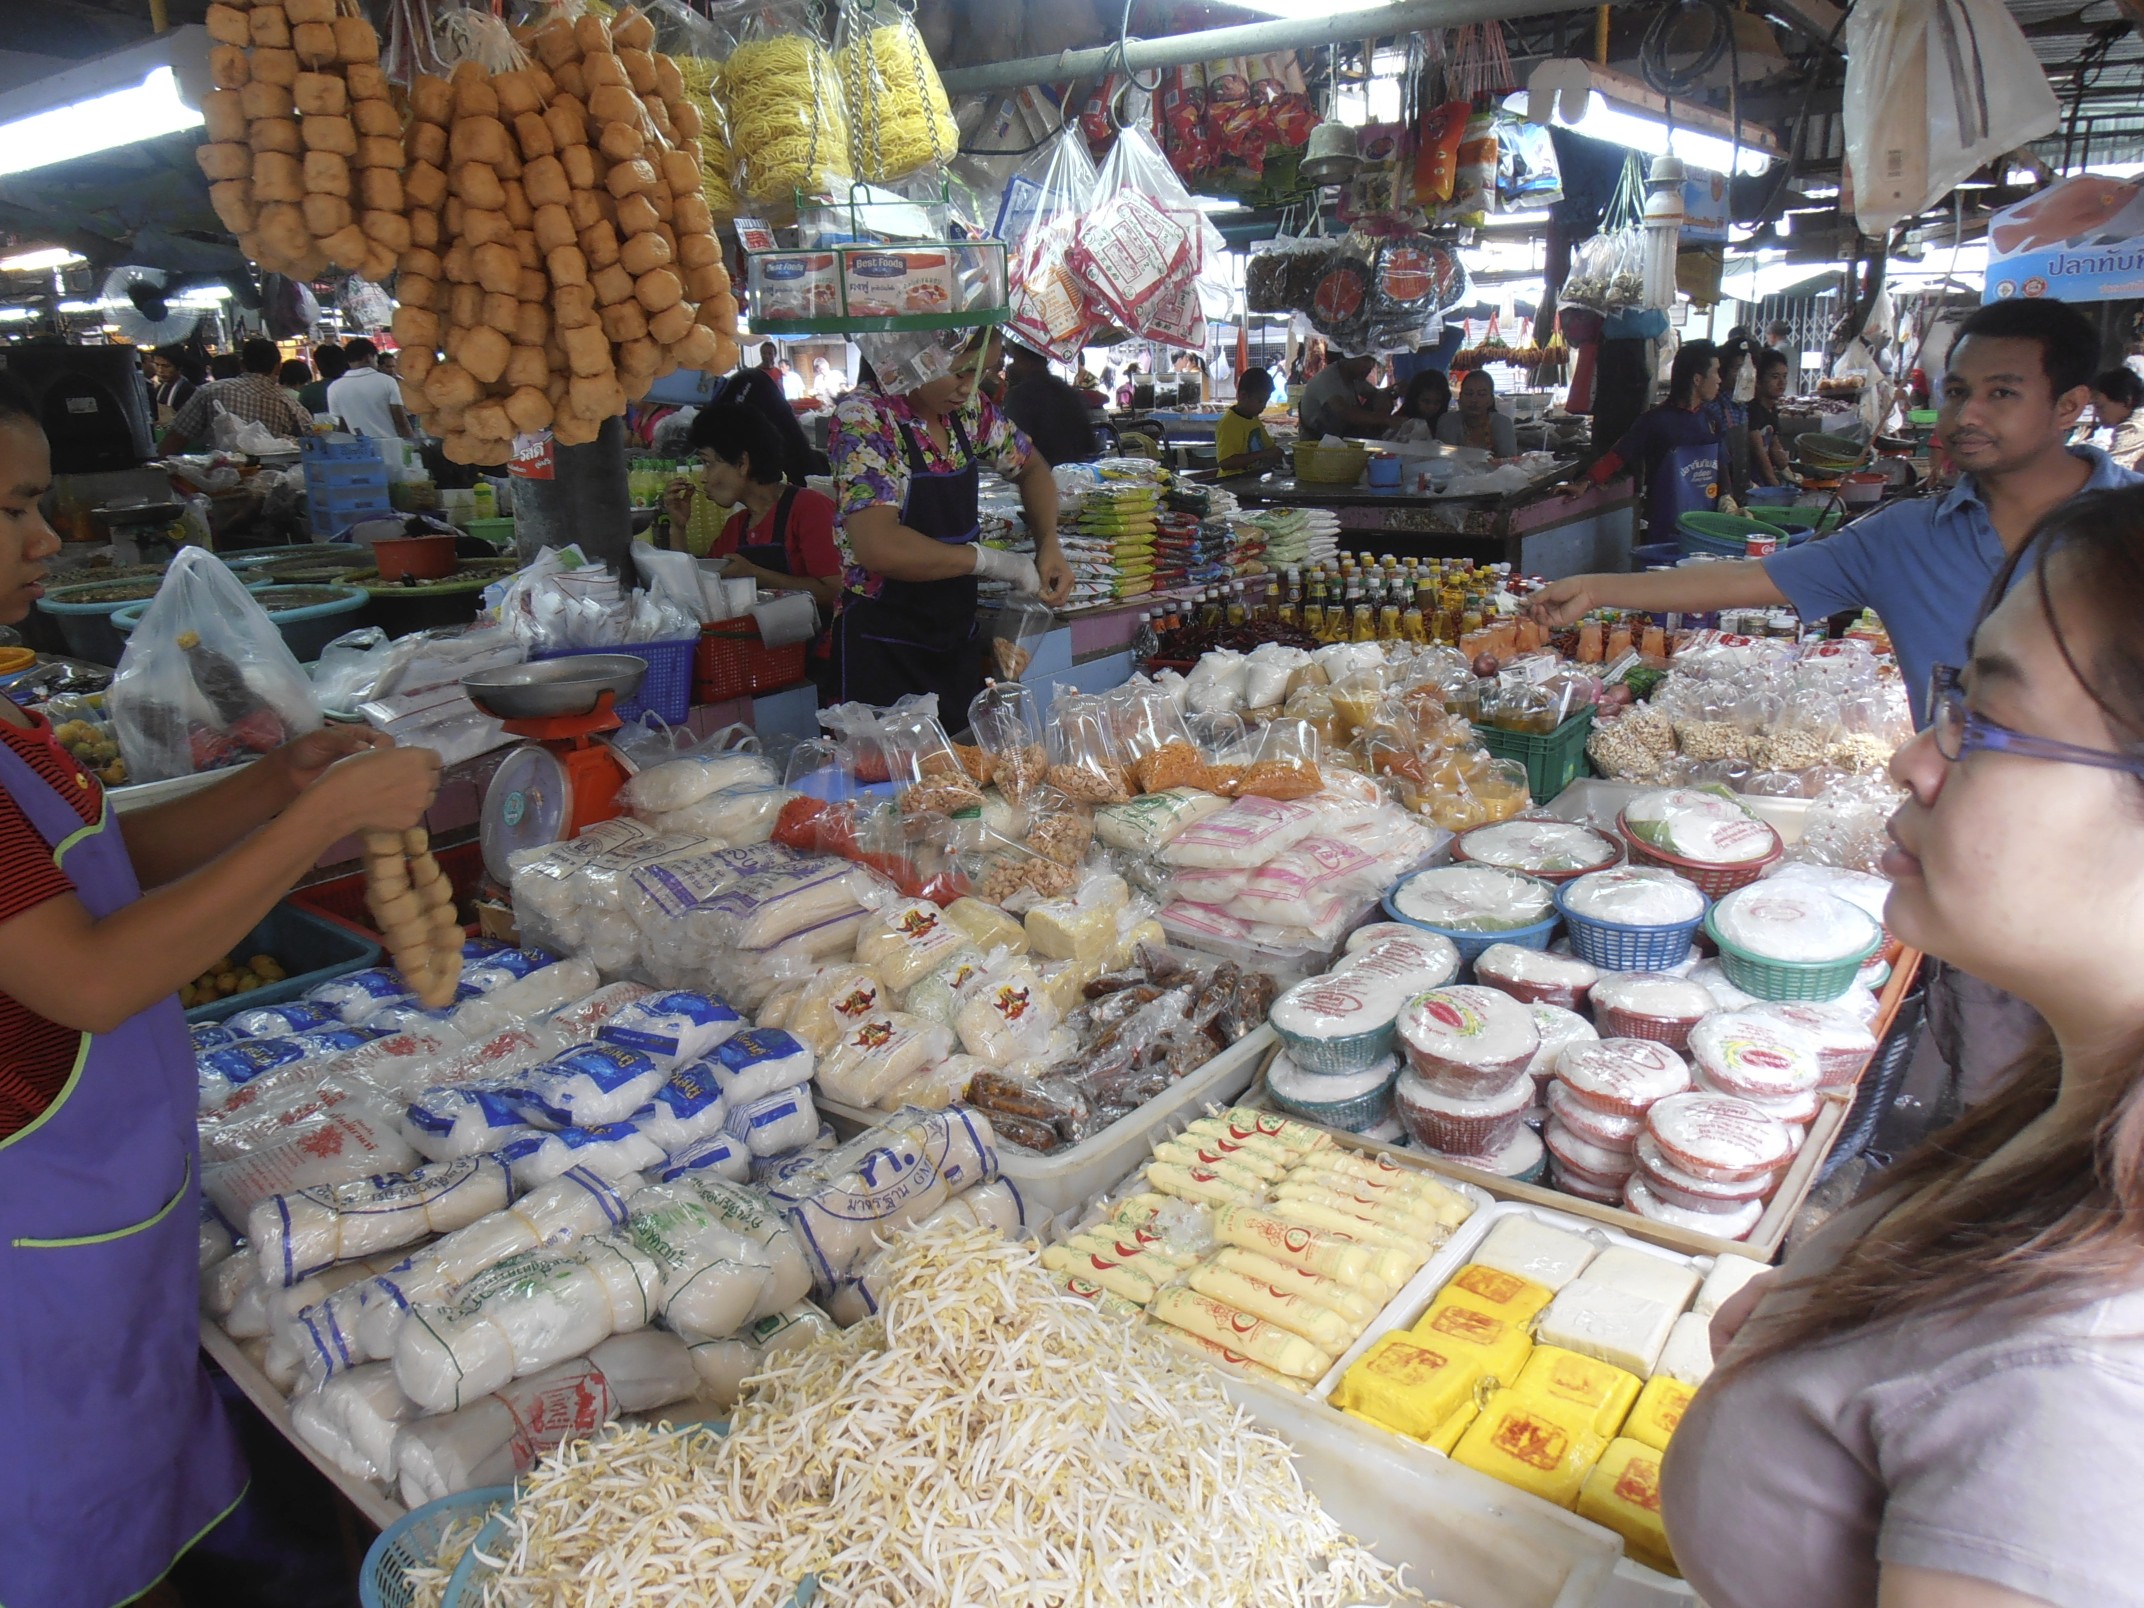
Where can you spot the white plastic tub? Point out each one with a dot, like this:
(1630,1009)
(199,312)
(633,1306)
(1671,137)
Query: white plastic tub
(1067,1179)
(1634,1585)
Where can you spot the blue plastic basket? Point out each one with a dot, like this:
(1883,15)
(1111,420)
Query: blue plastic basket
(1619,946)
(412,1542)
(313,950)
(1471,944)
(1655,554)
(666,688)
(319,449)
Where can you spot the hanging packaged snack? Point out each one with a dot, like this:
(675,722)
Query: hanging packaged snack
(1436,162)
(900,121)
(1281,276)
(1341,300)
(1182,107)
(789,114)
(1144,235)
(1290,116)
(1049,307)
(1474,178)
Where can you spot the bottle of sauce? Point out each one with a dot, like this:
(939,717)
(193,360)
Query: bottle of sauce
(1388,615)
(1313,618)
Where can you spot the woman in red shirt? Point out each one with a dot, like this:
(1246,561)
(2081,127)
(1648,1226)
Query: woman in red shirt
(115,1458)
(782,535)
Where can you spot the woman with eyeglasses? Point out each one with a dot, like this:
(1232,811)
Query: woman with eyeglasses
(1939,1401)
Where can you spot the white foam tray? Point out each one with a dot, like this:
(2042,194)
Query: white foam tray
(1066,1180)
(1635,1585)
(1459,1534)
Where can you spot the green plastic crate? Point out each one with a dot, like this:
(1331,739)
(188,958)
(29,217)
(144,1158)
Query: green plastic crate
(1553,761)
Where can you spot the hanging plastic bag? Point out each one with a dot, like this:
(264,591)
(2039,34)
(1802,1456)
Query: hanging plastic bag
(1140,249)
(207,681)
(1935,90)
(788,114)
(1049,305)
(899,118)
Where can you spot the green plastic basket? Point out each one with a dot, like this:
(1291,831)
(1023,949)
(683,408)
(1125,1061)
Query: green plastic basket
(498,532)
(1814,980)
(1553,760)
(412,1542)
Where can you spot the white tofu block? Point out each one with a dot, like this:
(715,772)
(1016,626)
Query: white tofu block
(1667,1280)
(1688,1353)
(1602,1321)
(1531,1249)
(1728,1275)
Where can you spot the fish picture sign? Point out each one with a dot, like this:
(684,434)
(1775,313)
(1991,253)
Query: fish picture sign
(2079,240)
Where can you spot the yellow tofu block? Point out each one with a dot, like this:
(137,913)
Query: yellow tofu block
(1506,1294)
(1408,1386)
(1661,1405)
(1601,1392)
(1623,1493)
(1448,1433)
(1535,1448)
(1500,1344)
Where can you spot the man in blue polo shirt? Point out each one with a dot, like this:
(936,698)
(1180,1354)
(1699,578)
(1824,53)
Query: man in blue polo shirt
(2019,376)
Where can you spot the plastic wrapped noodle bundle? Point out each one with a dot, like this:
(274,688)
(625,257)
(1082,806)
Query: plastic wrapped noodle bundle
(687,1109)
(674,1027)
(878,1054)
(455,1123)
(359,1324)
(960,1143)
(937,996)
(758,1062)
(719,1155)
(609,1150)
(543,990)
(900,116)
(748,1212)
(842,1205)
(493,1441)
(775,1122)
(482,1061)
(907,941)
(723,1366)
(579,1020)
(279,1021)
(295,1236)
(680,783)
(590,1083)
(524,1314)
(349,1142)
(713,1277)
(353,1421)
(1004,1014)
(825,1006)
(788,115)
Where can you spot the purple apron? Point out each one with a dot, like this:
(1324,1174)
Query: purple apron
(773,555)
(114,1455)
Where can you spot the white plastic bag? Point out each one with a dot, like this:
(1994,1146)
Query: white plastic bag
(207,680)
(1935,89)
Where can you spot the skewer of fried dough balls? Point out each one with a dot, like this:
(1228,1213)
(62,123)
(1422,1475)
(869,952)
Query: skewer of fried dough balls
(412,904)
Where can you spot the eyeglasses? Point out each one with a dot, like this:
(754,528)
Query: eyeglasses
(1958,732)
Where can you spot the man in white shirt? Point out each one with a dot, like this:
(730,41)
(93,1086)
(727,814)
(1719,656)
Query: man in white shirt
(367,401)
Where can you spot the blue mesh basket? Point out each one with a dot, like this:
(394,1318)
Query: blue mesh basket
(412,1542)
(1471,944)
(1620,946)
(666,688)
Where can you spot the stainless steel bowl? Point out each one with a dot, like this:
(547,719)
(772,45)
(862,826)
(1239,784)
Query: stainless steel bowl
(548,687)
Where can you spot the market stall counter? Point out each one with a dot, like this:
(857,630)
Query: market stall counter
(1537,530)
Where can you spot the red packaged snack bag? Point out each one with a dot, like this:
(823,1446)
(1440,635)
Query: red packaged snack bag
(1290,115)
(1436,155)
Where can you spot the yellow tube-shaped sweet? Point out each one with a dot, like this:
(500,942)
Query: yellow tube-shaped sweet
(1238,1330)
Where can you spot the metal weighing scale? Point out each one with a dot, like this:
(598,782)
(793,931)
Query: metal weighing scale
(566,777)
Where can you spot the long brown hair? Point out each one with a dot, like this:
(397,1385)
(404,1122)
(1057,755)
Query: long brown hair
(2065,1223)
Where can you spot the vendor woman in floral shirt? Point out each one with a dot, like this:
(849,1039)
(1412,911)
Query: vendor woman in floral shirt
(907,448)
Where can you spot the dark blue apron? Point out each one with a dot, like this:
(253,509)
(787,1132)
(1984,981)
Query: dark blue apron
(1685,480)
(772,555)
(918,636)
(114,1455)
